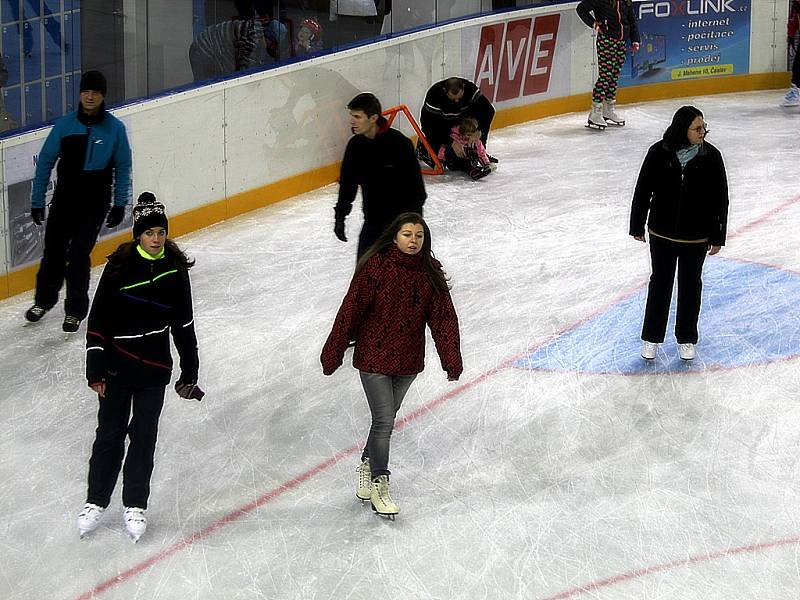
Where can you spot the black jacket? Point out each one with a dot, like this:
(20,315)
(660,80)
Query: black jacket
(689,204)
(134,308)
(617,18)
(388,172)
(440,113)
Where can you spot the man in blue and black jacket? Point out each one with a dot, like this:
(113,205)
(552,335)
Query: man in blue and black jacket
(91,148)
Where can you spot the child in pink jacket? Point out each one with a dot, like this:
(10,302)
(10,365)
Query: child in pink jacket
(466,152)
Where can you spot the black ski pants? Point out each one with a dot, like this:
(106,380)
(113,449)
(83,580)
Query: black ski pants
(114,422)
(665,255)
(385,394)
(69,238)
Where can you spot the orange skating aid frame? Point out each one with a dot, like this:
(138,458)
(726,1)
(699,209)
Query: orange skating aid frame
(391,113)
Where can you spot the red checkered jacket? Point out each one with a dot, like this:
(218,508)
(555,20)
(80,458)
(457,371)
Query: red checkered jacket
(389,302)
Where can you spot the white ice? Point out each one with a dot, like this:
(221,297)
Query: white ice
(512,483)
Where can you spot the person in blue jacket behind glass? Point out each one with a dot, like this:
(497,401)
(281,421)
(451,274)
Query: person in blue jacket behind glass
(91,148)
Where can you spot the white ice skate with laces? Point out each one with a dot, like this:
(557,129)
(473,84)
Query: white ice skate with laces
(89,518)
(135,522)
(382,502)
(364,489)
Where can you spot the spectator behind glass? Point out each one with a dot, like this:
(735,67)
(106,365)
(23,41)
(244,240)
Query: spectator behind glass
(252,39)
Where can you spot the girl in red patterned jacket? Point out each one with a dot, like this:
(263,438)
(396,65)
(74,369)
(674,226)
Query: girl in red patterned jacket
(397,289)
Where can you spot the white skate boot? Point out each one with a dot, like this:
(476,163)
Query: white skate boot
(382,502)
(135,522)
(792,97)
(596,120)
(89,518)
(610,113)
(364,489)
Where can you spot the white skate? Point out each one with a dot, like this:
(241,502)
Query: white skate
(596,120)
(135,522)
(382,502)
(610,114)
(364,489)
(89,518)
(792,97)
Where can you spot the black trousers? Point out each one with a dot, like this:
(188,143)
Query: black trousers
(665,256)
(69,238)
(114,422)
(796,70)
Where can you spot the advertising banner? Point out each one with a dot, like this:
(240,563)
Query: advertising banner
(514,59)
(689,39)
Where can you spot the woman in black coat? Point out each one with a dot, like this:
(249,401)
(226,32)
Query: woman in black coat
(682,195)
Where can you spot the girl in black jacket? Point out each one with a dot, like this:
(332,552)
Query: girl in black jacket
(144,293)
(683,187)
(615,22)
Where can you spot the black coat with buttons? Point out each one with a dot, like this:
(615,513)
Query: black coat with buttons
(689,204)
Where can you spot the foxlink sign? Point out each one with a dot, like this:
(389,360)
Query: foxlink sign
(684,7)
(689,39)
(515,58)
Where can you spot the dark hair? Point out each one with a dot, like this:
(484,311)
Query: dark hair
(120,257)
(676,136)
(367,103)
(454,85)
(435,273)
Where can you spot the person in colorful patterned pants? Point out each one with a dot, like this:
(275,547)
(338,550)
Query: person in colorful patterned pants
(614,21)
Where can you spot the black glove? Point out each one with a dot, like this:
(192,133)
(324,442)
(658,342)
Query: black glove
(189,390)
(37,215)
(115,216)
(338,229)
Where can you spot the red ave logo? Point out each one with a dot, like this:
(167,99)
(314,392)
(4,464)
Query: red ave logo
(515,58)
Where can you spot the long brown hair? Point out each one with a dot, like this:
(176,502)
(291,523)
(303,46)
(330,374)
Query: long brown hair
(435,274)
(124,252)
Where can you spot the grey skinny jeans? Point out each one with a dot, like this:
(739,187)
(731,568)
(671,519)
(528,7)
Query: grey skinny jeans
(385,394)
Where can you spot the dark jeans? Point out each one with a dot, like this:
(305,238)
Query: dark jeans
(385,394)
(796,70)
(69,238)
(664,256)
(114,422)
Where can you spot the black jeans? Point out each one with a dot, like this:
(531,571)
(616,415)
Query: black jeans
(664,256)
(69,238)
(114,422)
(385,394)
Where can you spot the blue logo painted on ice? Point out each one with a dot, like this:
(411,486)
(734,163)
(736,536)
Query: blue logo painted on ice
(749,317)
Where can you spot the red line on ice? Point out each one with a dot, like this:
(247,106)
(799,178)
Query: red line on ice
(668,566)
(402,423)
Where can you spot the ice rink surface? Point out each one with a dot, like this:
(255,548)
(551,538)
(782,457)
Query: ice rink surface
(557,467)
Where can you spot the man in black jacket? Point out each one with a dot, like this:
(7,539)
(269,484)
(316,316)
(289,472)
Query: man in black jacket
(447,103)
(381,160)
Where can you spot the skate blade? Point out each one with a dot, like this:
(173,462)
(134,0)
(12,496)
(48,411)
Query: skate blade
(389,516)
(616,123)
(134,538)
(595,126)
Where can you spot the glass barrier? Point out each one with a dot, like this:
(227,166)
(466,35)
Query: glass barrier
(146,47)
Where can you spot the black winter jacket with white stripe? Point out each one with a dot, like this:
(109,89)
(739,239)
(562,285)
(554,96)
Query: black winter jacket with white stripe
(138,301)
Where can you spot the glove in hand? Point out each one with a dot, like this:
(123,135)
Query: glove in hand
(188,390)
(37,215)
(338,229)
(115,216)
